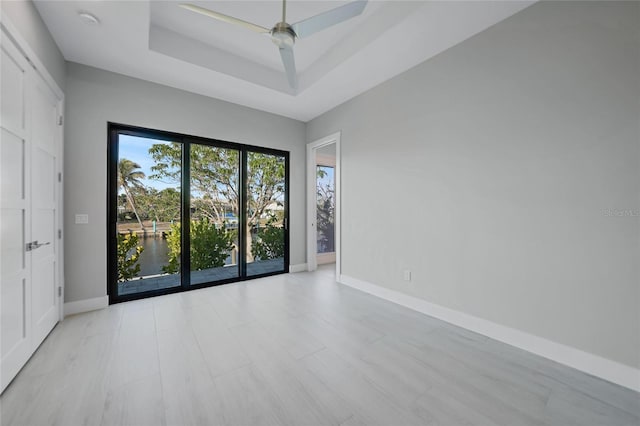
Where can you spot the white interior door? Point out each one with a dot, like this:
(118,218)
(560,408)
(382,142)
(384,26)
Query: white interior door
(30,147)
(15,264)
(44,202)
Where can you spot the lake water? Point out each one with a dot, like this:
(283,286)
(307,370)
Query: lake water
(155,256)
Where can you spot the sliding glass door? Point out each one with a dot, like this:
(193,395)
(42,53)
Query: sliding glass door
(147,209)
(232,198)
(214,181)
(266,224)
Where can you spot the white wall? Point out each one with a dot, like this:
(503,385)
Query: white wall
(24,16)
(95,97)
(489,172)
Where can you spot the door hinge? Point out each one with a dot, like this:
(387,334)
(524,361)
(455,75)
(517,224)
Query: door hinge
(60,121)
(59,234)
(59,291)
(59,177)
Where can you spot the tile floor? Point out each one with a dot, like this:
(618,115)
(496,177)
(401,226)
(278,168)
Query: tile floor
(295,349)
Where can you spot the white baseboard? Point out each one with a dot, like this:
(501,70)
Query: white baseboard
(595,365)
(86,305)
(300,267)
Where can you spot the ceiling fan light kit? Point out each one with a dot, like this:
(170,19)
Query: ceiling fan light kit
(284,35)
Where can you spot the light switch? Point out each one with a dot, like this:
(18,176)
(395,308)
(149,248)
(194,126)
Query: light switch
(82,219)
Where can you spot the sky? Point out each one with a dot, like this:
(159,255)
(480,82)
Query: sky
(137,150)
(328,177)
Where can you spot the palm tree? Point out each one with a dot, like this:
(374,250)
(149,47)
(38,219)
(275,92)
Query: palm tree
(129,177)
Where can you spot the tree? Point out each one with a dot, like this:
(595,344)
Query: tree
(129,177)
(265,182)
(167,205)
(161,206)
(210,246)
(215,180)
(128,254)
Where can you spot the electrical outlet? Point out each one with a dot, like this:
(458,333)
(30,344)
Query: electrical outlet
(406,275)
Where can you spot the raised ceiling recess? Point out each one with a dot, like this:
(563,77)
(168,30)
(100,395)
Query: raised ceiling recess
(162,42)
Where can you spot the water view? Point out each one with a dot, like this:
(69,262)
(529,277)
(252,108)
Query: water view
(156,253)
(149,203)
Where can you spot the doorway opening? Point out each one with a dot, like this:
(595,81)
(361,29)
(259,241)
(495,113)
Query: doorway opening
(323,203)
(232,199)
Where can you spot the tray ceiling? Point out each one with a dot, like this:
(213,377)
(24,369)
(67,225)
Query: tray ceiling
(161,42)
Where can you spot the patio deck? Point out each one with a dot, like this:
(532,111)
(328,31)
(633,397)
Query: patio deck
(197,277)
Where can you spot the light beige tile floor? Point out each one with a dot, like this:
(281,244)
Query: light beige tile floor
(294,349)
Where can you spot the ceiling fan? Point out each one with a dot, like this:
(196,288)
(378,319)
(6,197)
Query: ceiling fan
(284,35)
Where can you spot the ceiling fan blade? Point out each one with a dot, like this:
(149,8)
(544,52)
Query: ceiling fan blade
(329,18)
(225,18)
(289,66)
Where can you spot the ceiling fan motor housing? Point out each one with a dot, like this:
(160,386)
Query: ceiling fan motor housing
(283,35)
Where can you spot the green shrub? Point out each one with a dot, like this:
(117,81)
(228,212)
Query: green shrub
(174,244)
(270,242)
(128,256)
(210,246)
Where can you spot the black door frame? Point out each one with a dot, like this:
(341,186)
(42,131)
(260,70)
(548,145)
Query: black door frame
(116,129)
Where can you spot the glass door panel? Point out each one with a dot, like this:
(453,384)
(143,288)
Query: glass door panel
(214,205)
(148,211)
(326,205)
(265,213)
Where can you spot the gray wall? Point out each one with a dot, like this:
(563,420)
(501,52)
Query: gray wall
(95,97)
(495,171)
(25,17)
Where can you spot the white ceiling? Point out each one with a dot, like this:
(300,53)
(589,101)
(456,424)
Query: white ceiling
(163,43)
